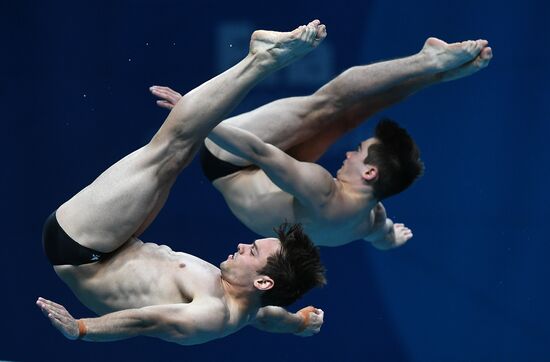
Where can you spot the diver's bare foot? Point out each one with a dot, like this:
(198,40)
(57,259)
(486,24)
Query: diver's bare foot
(480,62)
(443,57)
(277,49)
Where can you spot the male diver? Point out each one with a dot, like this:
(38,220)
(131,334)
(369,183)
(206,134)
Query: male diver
(140,288)
(263,163)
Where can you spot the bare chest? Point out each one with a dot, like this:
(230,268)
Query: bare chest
(143,274)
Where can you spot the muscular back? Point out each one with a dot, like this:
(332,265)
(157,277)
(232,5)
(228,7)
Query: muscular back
(259,204)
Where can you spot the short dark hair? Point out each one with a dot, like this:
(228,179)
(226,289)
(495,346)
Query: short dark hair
(295,268)
(397,158)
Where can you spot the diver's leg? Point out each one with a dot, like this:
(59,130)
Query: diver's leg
(311,150)
(125,198)
(306,126)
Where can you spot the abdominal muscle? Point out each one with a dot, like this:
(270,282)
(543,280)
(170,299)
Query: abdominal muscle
(256,201)
(261,206)
(140,274)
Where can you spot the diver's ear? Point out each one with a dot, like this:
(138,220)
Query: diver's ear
(264,283)
(370,173)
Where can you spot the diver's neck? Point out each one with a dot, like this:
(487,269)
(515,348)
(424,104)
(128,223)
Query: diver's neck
(358,191)
(242,303)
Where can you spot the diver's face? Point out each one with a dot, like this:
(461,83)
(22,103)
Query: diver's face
(354,164)
(244,264)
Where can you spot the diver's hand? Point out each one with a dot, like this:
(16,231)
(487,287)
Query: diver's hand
(397,235)
(168,96)
(59,317)
(312,320)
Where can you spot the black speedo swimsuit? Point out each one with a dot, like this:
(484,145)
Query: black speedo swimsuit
(61,249)
(214,168)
